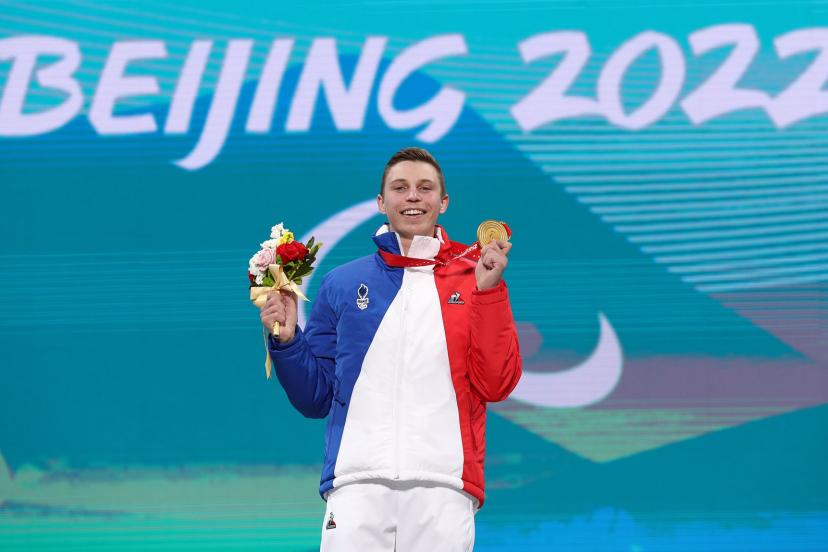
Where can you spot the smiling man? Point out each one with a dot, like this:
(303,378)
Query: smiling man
(401,353)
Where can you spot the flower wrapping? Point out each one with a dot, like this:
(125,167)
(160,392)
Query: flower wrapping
(279,265)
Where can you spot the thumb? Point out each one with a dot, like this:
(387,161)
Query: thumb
(289,300)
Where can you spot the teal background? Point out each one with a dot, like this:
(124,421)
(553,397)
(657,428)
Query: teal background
(134,412)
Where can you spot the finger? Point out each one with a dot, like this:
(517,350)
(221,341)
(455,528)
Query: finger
(270,319)
(488,259)
(496,256)
(498,259)
(291,315)
(274,309)
(288,297)
(492,245)
(290,309)
(274,302)
(501,246)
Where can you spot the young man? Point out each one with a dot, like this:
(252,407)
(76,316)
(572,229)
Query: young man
(402,351)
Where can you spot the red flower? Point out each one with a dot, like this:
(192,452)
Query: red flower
(291,251)
(252,279)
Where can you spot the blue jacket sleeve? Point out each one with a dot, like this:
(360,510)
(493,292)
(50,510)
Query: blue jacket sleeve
(305,364)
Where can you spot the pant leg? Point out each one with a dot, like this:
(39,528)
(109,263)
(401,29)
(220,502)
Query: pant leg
(434,518)
(359,517)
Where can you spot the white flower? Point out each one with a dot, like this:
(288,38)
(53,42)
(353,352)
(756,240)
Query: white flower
(259,278)
(276,231)
(270,244)
(253,269)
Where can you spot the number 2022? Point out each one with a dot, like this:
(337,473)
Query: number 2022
(716,96)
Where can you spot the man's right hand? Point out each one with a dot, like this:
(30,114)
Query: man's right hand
(280,307)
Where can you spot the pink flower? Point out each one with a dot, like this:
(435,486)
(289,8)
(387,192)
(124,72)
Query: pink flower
(263,259)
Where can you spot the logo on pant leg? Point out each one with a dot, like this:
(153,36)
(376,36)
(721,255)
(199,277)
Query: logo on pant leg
(331,523)
(455,299)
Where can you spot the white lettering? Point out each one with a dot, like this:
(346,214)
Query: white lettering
(804,97)
(24,51)
(260,118)
(548,102)
(186,90)
(223,107)
(322,71)
(115,85)
(441,111)
(672,78)
(719,95)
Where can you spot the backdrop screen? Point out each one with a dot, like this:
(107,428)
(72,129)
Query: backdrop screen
(663,167)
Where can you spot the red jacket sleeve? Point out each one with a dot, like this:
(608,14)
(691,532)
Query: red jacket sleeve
(494,356)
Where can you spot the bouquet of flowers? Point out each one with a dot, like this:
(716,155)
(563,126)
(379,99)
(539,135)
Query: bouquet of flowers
(280,264)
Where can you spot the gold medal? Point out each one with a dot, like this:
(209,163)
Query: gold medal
(491,230)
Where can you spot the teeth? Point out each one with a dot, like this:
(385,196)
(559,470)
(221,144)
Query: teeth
(413,212)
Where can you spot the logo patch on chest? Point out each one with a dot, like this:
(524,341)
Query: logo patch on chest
(362,297)
(454,299)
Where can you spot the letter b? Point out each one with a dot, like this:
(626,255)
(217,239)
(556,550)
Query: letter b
(24,51)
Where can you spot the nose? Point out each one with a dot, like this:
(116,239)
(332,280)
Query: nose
(413,194)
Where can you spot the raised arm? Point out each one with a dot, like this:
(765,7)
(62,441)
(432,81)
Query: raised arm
(494,356)
(305,364)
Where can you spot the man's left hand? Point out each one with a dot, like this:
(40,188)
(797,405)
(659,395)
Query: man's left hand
(492,263)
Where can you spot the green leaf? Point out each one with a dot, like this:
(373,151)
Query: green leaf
(303,270)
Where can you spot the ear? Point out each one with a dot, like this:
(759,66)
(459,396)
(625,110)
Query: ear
(381,204)
(444,204)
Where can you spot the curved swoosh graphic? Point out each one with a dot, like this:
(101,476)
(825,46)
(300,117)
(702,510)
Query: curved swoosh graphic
(329,232)
(581,385)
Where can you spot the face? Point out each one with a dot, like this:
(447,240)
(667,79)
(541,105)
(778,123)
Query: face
(413,199)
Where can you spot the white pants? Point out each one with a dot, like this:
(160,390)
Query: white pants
(406,516)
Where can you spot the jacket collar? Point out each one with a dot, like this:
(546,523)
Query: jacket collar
(422,247)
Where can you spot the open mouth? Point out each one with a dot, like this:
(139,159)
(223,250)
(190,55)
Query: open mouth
(413,213)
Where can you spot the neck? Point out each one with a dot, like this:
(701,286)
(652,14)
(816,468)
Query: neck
(405,244)
(405,241)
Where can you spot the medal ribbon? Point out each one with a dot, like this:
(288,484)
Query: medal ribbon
(456,251)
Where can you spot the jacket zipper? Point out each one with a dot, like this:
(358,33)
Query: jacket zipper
(398,372)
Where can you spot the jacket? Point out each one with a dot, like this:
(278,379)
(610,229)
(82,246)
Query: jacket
(402,361)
